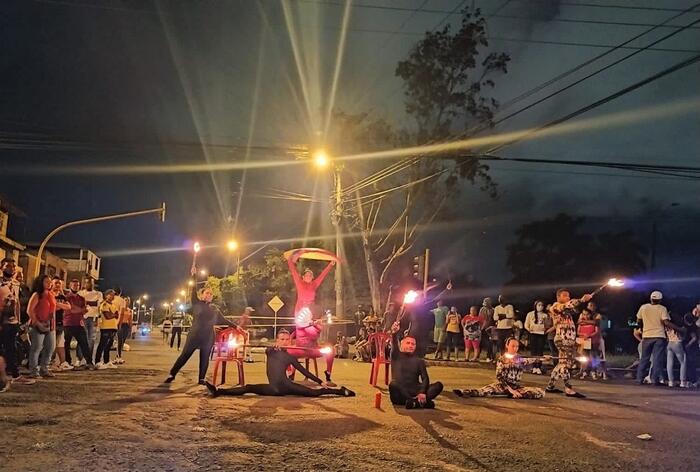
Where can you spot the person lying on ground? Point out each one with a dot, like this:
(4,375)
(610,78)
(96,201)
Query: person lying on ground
(278,361)
(509,372)
(411,385)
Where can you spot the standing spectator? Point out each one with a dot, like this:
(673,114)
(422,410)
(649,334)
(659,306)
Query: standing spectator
(504,316)
(4,380)
(359,316)
(487,329)
(535,325)
(371,321)
(440,314)
(691,322)
(126,318)
(62,306)
(390,316)
(74,321)
(675,350)
(471,326)
(178,319)
(10,314)
(24,294)
(166,328)
(120,302)
(452,332)
(602,322)
(109,323)
(93,299)
(587,333)
(550,331)
(654,318)
(41,309)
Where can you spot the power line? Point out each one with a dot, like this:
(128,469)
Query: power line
(582,21)
(681,65)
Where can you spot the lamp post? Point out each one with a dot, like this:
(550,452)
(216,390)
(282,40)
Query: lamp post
(321,160)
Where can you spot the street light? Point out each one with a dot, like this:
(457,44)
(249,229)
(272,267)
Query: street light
(190,283)
(177,300)
(232,245)
(203,272)
(144,296)
(183,293)
(320,158)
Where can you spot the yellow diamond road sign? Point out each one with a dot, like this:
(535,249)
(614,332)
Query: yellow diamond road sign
(276,303)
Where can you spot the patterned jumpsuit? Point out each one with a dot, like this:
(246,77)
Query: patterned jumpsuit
(564,340)
(509,373)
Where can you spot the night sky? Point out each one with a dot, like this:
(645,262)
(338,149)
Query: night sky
(93,86)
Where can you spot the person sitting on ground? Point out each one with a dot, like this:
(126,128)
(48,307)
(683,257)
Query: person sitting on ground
(278,361)
(509,372)
(411,385)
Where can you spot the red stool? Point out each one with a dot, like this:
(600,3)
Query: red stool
(380,342)
(229,346)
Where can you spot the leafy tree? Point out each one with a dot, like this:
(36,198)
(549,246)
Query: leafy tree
(447,79)
(555,250)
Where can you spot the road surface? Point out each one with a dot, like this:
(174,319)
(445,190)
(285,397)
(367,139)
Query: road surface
(125,419)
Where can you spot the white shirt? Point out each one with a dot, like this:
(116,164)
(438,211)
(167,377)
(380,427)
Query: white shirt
(507,322)
(120,303)
(532,326)
(93,298)
(652,317)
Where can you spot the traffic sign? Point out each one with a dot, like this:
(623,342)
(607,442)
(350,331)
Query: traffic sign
(276,303)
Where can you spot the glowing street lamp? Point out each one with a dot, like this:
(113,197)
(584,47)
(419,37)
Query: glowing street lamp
(144,296)
(190,283)
(177,300)
(203,272)
(183,293)
(232,245)
(320,158)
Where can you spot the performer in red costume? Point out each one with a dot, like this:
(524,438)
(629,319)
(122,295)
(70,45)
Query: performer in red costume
(306,285)
(307,329)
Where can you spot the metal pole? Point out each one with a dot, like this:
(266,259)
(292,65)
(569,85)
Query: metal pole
(339,309)
(426,272)
(98,219)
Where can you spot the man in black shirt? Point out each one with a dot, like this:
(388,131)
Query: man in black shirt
(410,385)
(278,361)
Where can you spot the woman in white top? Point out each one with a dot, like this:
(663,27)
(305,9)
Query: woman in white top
(535,325)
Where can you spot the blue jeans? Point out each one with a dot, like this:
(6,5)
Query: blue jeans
(91,332)
(41,350)
(675,350)
(651,348)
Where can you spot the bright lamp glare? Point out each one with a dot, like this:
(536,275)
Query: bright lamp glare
(196,247)
(410,297)
(325,350)
(320,158)
(582,359)
(182,307)
(232,245)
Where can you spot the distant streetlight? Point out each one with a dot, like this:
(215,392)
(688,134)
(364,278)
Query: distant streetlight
(183,293)
(190,283)
(203,272)
(232,245)
(177,300)
(320,158)
(144,296)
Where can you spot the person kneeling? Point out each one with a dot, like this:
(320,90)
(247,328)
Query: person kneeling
(410,385)
(278,361)
(509,372)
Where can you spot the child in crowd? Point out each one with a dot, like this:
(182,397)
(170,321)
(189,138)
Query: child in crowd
(509,372)
(471,327)
(587,333)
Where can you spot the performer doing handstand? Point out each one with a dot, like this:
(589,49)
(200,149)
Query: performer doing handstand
(278,360)
(410,385)
(509,372)
(307,330)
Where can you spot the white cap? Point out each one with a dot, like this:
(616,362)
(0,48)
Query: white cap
(656,295)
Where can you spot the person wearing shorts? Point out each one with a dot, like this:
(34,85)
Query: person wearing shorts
(471,327)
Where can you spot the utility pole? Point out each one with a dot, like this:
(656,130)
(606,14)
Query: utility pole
(337,216)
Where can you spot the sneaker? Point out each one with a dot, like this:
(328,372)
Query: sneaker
(22,380)
(604,376)
(647,380)
(670,384)
(202,382)
(76,363)
(111,365)
(48,373)
(64,366)
(169,379)
(584,375)
(536,371)
(553,390)
(488,359)
(684,385)
(347,392)
(594,376)
(83,363)
(576,395)
(4,387)
(101,366)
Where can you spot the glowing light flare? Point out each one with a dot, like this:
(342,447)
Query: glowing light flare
(232,343)
(616,282)
(182,307)
(232,245)
(508,355)
(582,359)
(410,297)
(182,293)
(196,247)
(203,272)
(190,283)
(320,159)
(325,350)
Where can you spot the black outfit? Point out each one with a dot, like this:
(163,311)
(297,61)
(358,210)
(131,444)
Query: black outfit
(691,350)
(122,335)
(9,327)
(410,377)
(278,360)
(201,335)
(177,330)
(105,345)
(77,332)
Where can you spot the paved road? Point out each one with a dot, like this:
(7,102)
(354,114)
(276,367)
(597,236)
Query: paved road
(125,419)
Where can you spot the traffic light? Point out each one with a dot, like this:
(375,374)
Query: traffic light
(418,267)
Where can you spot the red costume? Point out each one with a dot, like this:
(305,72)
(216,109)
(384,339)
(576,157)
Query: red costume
(307,331)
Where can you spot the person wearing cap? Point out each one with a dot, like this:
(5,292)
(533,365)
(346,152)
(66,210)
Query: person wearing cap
(109,311)
(654,319)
